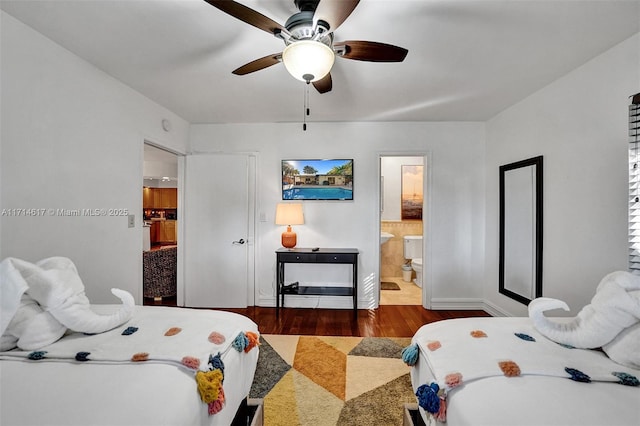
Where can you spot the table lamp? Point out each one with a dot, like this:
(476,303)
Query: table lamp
(289,214)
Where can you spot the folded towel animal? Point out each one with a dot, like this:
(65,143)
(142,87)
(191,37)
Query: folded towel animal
(609,321)
(42,300)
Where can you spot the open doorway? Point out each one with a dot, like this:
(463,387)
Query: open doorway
(402,230)
(160,230)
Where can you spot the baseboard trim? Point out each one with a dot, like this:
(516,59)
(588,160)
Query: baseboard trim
(495,310)
(457,304)
(461,304)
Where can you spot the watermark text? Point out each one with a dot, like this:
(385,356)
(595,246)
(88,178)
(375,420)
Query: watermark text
(61,212)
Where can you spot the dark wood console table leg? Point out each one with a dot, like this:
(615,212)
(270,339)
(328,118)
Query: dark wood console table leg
(355,290)
(279,279)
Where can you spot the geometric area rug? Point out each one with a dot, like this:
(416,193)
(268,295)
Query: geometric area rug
(328,381)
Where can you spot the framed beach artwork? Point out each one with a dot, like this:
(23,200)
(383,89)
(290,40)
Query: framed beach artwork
(412,194)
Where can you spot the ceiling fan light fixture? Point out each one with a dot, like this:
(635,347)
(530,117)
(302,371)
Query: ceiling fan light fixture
(308,60)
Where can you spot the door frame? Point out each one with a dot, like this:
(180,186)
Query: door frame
(180,252)
(427,269)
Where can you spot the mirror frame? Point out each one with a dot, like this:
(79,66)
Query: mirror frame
(536,163)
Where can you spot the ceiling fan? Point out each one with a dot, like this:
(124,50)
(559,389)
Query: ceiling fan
(310,49)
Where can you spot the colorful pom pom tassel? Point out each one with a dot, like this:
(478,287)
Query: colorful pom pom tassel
(577,375)
(216,362)
(217,405)
(246,341)
(410,355)
(626,379)
(441,415)
(240,342)
(253,339)
(129,331)
(191,362)
(525,337)
(209,384)
(216,338)
(428,397)
(82,356)
(37,355)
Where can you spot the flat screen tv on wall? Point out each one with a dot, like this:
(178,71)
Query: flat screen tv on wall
(317,179)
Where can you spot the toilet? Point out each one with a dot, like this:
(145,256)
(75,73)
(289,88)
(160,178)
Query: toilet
(413,250)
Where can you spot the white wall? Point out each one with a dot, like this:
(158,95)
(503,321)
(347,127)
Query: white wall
(456,152)
(579,124)
(72,138)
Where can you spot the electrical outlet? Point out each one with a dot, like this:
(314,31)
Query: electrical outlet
(131,220)
(263,217)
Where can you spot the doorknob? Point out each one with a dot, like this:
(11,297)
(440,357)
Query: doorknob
(239,242)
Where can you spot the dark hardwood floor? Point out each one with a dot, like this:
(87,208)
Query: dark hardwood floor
(386,321)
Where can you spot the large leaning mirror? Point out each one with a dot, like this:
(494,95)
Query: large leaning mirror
(520,275)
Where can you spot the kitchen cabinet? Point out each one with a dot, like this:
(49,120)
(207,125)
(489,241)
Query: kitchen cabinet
(168,198)
(168,232)
(159,198)
(147,198)
(164,231)
(154,233)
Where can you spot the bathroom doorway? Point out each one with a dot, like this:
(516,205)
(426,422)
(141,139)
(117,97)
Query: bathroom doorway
(403,183)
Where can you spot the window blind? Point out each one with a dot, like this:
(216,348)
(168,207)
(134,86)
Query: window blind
(634,184)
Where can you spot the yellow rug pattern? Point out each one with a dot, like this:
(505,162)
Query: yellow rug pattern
(317,380)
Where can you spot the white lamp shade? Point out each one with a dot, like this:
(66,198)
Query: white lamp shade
(289,214)
(308,60)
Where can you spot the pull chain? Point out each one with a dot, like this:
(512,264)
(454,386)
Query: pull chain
(306,109)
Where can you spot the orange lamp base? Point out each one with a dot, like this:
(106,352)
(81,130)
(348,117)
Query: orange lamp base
(289,238)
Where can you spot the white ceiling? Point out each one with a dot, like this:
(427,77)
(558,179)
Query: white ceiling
(467,60)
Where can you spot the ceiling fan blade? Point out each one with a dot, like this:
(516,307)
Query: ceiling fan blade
(371,51)
(248,15)
(258,64)
(323,85)
(334,12)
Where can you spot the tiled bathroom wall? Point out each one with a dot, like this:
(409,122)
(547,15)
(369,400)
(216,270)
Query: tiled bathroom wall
(391,257)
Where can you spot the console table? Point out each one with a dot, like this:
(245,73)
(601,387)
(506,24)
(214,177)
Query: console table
(322,255)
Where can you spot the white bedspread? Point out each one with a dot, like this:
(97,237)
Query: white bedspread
(163,338)
(110,390)
(486,350)
(542,394)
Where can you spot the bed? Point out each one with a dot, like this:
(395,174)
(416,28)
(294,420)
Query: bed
(461,355)
(107,386)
